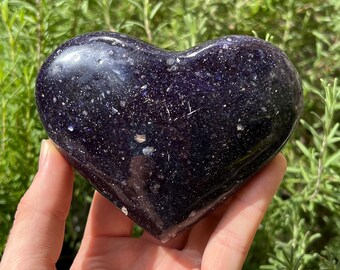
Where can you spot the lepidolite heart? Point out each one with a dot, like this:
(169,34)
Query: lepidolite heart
(167,136)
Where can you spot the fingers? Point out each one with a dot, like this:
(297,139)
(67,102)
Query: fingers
(201,232)
(228,246)
(106,220)
(38,230)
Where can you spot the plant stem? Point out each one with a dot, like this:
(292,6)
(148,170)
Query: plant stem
(107,17)
(39,32)
(146,21)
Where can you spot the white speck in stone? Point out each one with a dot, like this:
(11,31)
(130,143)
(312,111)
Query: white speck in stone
(131,62)
(189,107)
(172,68)
(198,74)
(42,95)
(76,58)
(114,110)
(125,211)
(277,112)
(169,88)
(166,238)
(255,77)
(49,126)
(194,111)
(54,99)
(70,127)
(225,46)
(84,113)
(229,39)
(92,100)
(140,138)
(122,103)
(144,87)
(167,110)
(155,187)
(100,61)
(63,103)
(170,61)
(264,109)
(239,127)
(192,214)
(224,105)
(60,81)
(178,60)
(253,83)
(243,89)
(56,69)
(147,151)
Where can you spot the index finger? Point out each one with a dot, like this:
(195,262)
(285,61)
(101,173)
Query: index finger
(230,242)
(38,231)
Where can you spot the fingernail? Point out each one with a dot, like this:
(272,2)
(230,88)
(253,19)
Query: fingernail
(43,153)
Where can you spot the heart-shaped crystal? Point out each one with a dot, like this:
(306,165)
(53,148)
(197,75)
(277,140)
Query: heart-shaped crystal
(167,136)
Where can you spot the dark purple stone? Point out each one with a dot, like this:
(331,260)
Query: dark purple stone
(168,136)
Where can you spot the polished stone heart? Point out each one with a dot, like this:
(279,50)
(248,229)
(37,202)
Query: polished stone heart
(168,136)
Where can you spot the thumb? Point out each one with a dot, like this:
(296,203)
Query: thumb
(36,238)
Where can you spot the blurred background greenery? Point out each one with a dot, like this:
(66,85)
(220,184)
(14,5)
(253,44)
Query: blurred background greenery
(302,227)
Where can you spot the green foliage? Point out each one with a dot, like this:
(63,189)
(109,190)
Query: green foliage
(302,227)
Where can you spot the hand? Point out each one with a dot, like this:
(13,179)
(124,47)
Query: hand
(219,241)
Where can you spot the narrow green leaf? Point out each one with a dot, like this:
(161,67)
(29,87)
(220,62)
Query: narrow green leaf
(333,131)
(134,23)
(4,11)
(155,9)
(137,5)
(304,150)
(333,159)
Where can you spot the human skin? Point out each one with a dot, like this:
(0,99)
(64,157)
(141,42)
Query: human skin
(219,241)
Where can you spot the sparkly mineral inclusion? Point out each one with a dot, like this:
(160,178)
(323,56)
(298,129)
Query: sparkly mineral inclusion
(167,136)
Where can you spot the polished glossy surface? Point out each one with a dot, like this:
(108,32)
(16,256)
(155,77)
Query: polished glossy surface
(167,136)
